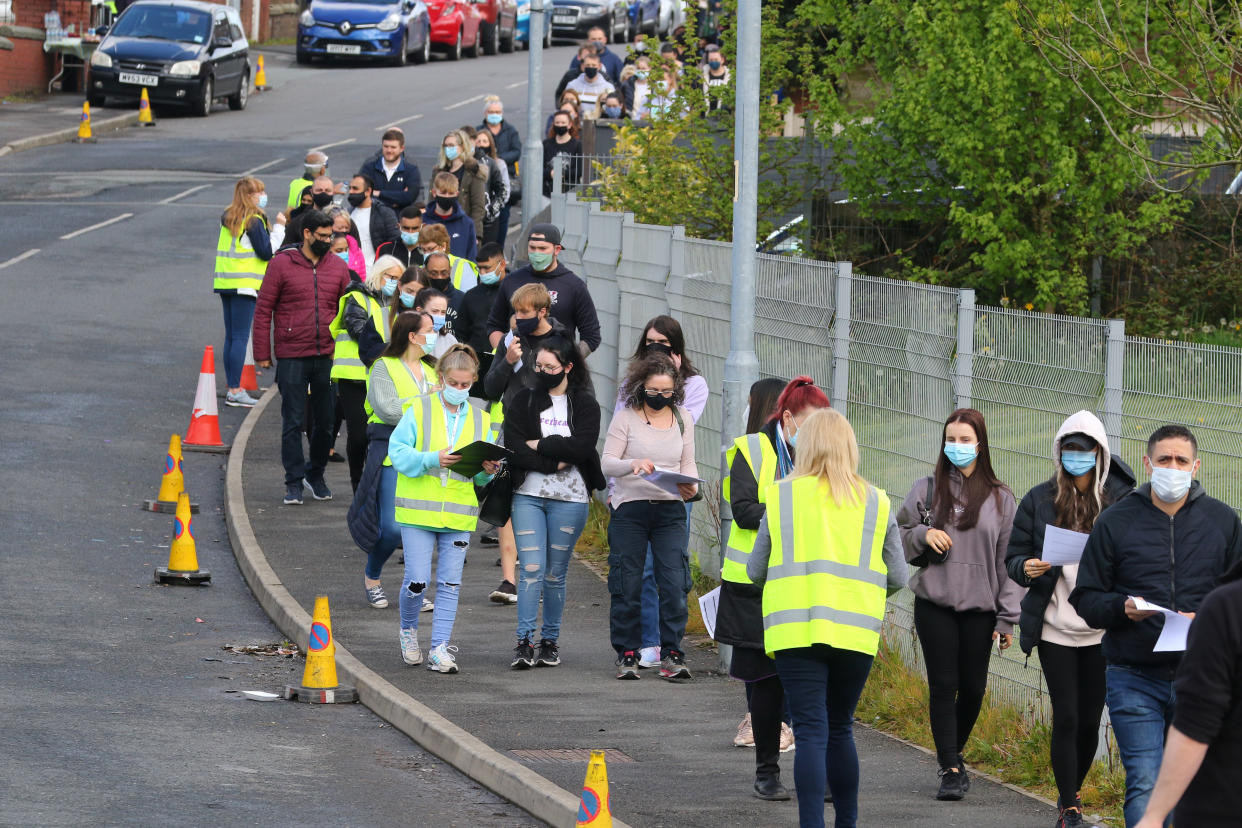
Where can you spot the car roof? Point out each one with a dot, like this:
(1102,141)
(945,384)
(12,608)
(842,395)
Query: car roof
(196,5)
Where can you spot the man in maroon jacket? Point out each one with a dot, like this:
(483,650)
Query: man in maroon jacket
(299,297)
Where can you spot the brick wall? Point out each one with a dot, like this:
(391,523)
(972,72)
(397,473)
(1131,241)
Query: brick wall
(26,68)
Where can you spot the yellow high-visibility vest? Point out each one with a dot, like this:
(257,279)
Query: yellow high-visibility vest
(460,268)
(826,581)
(445,500)
(236,264)
(346,361)
(296,186)
(757,451)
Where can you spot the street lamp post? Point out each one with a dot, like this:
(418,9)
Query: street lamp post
(532,150)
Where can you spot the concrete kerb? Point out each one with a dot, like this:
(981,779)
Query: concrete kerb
(470,755)
(62,136)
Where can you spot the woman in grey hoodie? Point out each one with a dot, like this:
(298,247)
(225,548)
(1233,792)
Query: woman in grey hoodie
(955,524)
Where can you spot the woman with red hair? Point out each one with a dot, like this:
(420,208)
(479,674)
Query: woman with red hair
(755,462)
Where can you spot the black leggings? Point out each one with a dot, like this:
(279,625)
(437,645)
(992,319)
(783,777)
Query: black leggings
(956,648)
(766,700)
(350,395)
(1075,677)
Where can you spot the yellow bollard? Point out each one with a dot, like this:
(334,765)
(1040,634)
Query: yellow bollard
(84,126)
(173,482)
(319,684)
(144,109)
(593,810)
(183,555)
(260,76)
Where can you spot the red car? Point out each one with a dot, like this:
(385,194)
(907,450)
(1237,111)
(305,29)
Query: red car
(455,27)
(498,29)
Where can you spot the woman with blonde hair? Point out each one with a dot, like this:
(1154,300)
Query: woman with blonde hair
(457,157)
(827,555)
(243,250)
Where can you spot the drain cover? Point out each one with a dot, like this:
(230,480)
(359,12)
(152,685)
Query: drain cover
(575,755)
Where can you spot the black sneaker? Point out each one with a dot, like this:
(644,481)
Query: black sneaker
(950,785)
(523,655)
(673,667)
(319,489)
(627,665)
(506,593)
(961,765)
(549,654)
(489,540)
(293,494)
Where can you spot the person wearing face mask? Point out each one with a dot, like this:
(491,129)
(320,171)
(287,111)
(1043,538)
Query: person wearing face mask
(433,301)
(716,79)
(1070,654)
(571,303)
(597,41)
(471,322)
(397,180)
(611,107)
(411,282)
(508,145)
(1168,543)
(552,430)
(404,372)
(457,157)
(562,141)
(322,197)
(299,298)
(636,89)
(377,225)
(955,525)
(497,187)
(591,86)
(445,209)
(574,71)
(314,166)
(242,253)
(409,225)
(437,509)
(434,238)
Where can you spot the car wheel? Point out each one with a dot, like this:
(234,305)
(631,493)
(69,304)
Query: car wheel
(475,50)
(203,107)
(424,54)
(492,45)
(237,101)
(402,57)
(455,51)
(304,58)
(507,44)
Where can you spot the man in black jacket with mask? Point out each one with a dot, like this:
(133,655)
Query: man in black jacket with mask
(322,193)
(1168,543)
(377,225)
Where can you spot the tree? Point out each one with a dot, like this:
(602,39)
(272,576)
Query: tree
(944,115)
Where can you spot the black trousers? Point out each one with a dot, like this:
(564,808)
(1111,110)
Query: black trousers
(351,394)
(1076,687)
(296,377)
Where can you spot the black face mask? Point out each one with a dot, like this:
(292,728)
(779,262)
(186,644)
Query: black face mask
(321,200)
(441,285)
(549,381)
(445,203)
(356,199)
(657,402)
(320,248)
(590,71)
(660,348)
(526,327)
(560,130)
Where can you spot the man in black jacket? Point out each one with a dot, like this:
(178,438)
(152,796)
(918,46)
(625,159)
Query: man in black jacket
(377,225)
(1168,543)
(471,325)
(397,182)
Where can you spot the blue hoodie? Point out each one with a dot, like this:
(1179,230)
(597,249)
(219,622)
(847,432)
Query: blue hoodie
(462,240)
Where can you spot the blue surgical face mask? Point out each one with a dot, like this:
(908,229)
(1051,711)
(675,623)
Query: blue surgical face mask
(612,112)
(489,277)
(1170,485)
(390,287)
(450,152)
(1077,463)
(641,74)
(539,261)
(409,239)
(961,454)
(407,300)
(262,200)
(344,254)
(792,439)
(430,344)
(494,118)
(455,396)
(437,321)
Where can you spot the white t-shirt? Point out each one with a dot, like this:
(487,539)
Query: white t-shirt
(362,218)
(566,484)
(389,171)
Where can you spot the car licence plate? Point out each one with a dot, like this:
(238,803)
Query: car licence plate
(568,19)
(344,49)
(140,80)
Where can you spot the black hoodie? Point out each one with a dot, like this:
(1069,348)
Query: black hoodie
(572,305)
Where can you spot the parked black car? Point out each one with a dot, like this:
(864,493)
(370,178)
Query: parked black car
(183,52)
(574,18)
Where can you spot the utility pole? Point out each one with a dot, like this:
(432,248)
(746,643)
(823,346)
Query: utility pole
(532,150)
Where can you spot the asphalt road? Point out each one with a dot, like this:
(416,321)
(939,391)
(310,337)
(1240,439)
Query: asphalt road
(117,702)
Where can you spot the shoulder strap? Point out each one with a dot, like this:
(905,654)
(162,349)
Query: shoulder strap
(681,425)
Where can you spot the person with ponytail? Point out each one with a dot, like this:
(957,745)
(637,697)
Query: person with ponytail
(1070,651)
(955,524)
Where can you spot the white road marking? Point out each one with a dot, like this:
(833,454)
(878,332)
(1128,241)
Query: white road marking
(516,85)
(398,123)
(333,144)
(17,259)
(185,193)
(113,220)
(464,103)
(254,170)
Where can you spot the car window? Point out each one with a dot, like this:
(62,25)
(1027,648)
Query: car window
(236,32)
(222,31)
(164,23)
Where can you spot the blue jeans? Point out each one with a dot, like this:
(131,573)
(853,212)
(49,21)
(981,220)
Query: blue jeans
(546,531)
(294,375)
(660,524)
(238,316)
(1140,708)
(651,595)
(822,685)
(390,532)
(420,544)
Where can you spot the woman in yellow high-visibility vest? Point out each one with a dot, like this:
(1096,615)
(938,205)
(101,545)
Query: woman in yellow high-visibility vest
(827,554)
(435,507)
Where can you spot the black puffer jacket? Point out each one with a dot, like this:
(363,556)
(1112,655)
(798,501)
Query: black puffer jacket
(1137,550)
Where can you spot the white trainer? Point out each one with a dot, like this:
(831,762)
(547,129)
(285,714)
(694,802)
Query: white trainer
(410,653)
(441,659)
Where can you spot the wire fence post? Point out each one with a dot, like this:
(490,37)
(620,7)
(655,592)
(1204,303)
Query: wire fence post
(964,371)
(841,338)
(1114,381)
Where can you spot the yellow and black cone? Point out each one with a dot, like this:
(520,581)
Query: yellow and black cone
(182,556)
(144,109)
(85,136)
(593,810)
(173,482)
(260,76)
(319,684)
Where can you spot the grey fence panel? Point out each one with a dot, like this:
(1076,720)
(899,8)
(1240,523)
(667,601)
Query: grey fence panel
(793,317)
(599,269)
(643,272)
(574,233)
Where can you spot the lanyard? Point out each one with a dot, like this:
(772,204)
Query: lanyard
(783,460)
(454,422)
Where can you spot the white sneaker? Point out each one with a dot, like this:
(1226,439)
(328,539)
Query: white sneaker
(441,659)
(410,653)
(428,605)
(649,657)
(745,734)
(787,738)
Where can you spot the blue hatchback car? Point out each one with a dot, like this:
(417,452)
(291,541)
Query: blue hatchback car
(521,34)
(394,31)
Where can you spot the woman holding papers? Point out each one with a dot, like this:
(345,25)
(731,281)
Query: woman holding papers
(552,430)
(1053,522)
(436,508)
(955,525)
(650,438)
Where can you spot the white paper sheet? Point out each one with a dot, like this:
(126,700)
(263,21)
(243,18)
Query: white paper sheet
(1176,627)
(668,480)
(1062,546)
(708,604)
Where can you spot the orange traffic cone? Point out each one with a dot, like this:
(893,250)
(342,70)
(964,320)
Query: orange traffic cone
(260,77)
(249,378)
(593,808)
(182,556)
(173,483)
(84,127)
(319,685)
(144,109)
(204,431)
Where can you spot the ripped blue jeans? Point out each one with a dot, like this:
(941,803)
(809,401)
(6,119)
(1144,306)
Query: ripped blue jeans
(546,531)
(450,547)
